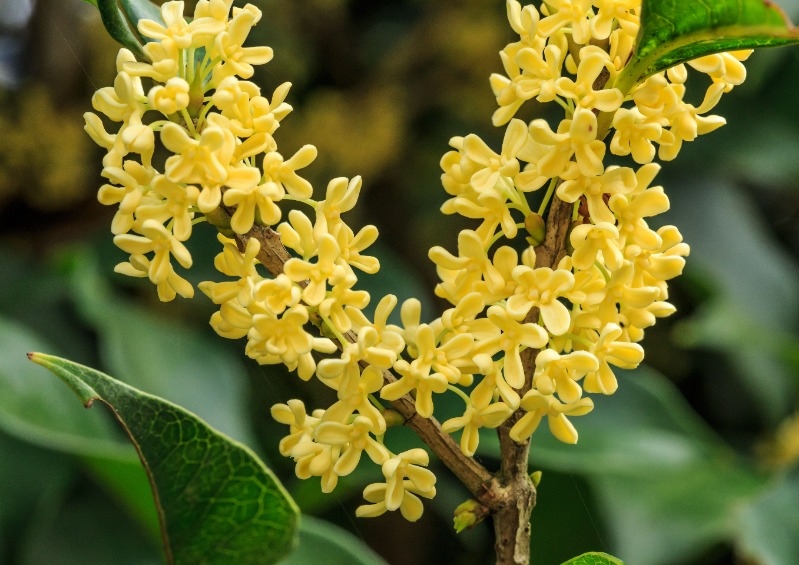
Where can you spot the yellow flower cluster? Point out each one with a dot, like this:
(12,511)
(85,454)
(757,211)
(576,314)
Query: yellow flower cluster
(584,315)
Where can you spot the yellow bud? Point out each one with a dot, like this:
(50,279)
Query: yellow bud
(393,418)
(468,514)
(536,227)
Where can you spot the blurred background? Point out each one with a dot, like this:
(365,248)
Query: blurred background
(693,461)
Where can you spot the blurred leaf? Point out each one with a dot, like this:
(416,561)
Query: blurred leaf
(31,479)
(594,559)
(672,33)
(676,514)
(323,542)
(32,410)
(217,502)
(161,356)
(767,526)
(85,529)
(757,287)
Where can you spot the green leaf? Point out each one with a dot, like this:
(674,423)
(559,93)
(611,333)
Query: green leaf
(120,19)
(217,502)
(160,355)
(768,525)
(674,516)
(594,558)
(32,410)
(339,547)
(676,31)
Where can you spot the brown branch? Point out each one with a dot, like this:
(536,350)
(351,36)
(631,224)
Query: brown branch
(476,478)
(512,519)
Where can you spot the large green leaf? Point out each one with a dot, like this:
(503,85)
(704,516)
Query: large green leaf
(676,31)
(216,500)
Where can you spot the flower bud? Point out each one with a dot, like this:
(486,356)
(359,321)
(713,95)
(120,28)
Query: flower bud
(536,227)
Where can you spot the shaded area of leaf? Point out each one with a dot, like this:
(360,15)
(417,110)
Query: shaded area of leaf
(321,541)
(755,288)
(768,524)
(217,501)
(90,521)
(594,558)
(34,411)
(674,32)
(674,515)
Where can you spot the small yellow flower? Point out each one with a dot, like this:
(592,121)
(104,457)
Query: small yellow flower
(538,405)
(540,288)
(477,415)
(170,98)
(406,480)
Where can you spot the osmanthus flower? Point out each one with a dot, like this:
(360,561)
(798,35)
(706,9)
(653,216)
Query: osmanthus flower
(177,29)
(576,137)
(389,336)
(576,14)
(249,199)
(557,373)
(463,319)
(493,382)
(312,459)
(283,339)
(129,184)
(531,73)
(687,122)
(723,67)
(493,165)
(346,369)
(655,267)
(636,135)
(278,293)
(434,367)
(537,405)
(479,413)
(631,211)
(353,396)
(354,439)
(232,320)
(159,241)
(325,269)
(513,337)
(593,61)
(610,13)
(591,240)
(228,46)
(234,264)
(615,180)
(472,264)
(541,288)
(406,480)
(301,425)
(170,202)
(609,349)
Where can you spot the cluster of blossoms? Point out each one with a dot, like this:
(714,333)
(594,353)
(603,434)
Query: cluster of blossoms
(584,315)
